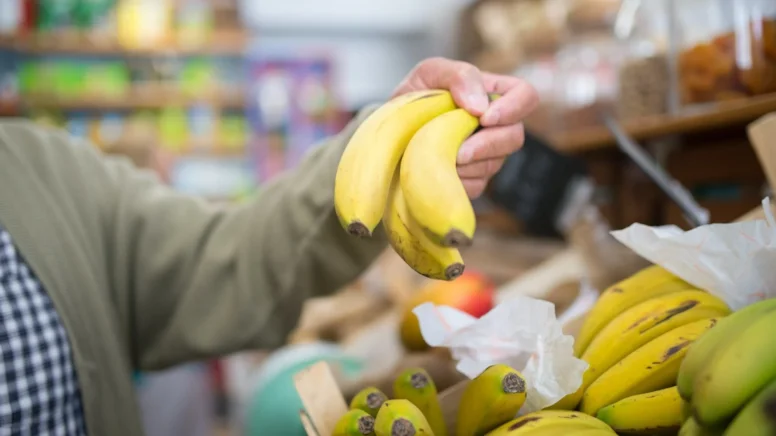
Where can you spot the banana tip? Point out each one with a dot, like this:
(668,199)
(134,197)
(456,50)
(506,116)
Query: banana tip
(456,238)
(357,228)
(513,384)
(375,400)
(402,427)
(366,425)
(454,271)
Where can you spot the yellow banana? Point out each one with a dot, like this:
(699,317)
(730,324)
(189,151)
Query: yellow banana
(648,283)
(489,400)
(653,366)
(401,418)
(551,422)
(639,325)
(416,385)
(653,412)
(369,400)
(413,245)
(373,153)
(433,191)
(355,422)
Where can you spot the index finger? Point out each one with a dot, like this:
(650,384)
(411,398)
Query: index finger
(518,100)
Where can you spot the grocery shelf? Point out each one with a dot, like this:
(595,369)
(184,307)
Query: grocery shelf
(219,43)
(135,100)
(719,115)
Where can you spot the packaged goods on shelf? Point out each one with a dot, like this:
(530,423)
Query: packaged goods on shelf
(725,49)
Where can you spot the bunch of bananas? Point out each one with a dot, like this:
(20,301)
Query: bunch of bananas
(487,407)
(400,167)
(634,340)
(728,379)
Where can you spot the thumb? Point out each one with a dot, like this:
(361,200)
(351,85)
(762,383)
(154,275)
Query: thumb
(464,81)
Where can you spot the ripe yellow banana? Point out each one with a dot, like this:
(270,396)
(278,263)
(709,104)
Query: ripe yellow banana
(653,366)
(401,418)
(551,422)
(648,283)
(369,400)
(373,153)
(355,422)
(416,385)
(653,412)
(433,191)
(489,400)
(413,245)
(639,325)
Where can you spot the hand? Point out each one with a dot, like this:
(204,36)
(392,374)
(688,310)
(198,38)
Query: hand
(482,155)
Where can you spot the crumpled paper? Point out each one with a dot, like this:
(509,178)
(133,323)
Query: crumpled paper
(521,332)
(735,262)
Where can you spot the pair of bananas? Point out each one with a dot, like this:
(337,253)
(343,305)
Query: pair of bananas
(399,167)
(634,340)
(490,400)
(728,379)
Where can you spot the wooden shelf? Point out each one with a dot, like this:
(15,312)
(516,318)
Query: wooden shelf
(225,43)
(135,100)
(720,115)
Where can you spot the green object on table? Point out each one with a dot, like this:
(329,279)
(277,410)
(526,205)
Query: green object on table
(274,408)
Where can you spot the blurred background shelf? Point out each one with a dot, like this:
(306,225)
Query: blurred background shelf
(137,99)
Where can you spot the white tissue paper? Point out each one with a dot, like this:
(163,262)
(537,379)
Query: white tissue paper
(521,332)
(734,262)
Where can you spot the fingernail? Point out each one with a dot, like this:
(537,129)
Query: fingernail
(491,117)
(465,153)
(478,101)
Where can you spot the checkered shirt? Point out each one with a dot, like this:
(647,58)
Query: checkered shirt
(39,393)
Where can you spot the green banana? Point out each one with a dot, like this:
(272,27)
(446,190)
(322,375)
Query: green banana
(728,329)
(692,428)
(401,418)
(736,373)
(416,385)
(355,422)
(489,400)
(758,417)
(369,400)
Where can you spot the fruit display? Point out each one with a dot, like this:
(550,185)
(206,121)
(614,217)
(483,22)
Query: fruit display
(728,379)
(634,340)
(399,167)
(471,293)
(488,406)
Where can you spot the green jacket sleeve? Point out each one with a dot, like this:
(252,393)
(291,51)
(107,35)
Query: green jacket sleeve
(196,281)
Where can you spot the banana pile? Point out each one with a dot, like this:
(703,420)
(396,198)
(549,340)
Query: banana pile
(487,407)
(399,167)
(634,340)
(728,379)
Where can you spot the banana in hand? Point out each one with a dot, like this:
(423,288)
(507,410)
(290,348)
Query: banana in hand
(429,179)
(489,400)
(416,385)
(735,373)
(412,244)
(401,418)
(653,366)
(648,283)
(552,422)
(355,422)
(373,152)
(653,412)
(369,400)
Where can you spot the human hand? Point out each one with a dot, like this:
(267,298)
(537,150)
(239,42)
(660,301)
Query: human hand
(482,155)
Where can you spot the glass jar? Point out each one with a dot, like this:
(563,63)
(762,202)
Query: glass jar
(722,49)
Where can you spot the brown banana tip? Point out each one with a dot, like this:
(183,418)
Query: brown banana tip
(418,380)
(375,400)
(402,427)
(456,238)
(357,228)
(366,425)
(513,384)
(454,271)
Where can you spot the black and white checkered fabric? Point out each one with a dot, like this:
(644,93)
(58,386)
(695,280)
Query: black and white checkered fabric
(39,393)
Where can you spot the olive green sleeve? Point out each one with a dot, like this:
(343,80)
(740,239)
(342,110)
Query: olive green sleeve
(197,281)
